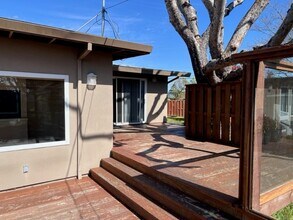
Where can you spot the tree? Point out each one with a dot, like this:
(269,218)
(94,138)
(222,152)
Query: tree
(183,17)
(270,20)
(177,90)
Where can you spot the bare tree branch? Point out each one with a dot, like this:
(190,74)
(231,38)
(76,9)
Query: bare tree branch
(209,4)
(192,42)
(232,5)
(283,30)
(190,16)
(205,43)
(216,32)
(244,26)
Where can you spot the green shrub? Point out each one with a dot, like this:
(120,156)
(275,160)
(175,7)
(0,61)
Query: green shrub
(285,213)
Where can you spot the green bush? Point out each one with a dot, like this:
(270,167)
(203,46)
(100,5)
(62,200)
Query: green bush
(285,213)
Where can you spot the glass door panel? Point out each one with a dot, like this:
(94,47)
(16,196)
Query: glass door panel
(129,106)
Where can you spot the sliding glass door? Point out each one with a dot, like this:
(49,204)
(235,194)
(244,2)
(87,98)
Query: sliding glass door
(129,104)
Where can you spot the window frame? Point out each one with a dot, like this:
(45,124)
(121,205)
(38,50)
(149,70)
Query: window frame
(43,76)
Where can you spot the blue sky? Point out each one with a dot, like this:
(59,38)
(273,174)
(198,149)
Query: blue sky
(141,21)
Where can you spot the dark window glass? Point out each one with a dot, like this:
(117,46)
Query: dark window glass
(31,111)
(9,104)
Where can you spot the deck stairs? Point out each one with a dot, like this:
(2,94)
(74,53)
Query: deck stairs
(149,193)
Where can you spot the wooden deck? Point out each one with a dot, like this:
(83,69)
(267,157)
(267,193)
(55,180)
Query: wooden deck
(210,167)
(70,199)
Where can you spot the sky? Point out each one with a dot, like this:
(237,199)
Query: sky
(140,21)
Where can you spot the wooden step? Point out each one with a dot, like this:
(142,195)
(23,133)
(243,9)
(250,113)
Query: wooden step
(172,199)
(213,198)
(132,199)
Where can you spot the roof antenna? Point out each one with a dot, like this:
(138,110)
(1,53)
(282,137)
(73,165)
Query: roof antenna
(103,18)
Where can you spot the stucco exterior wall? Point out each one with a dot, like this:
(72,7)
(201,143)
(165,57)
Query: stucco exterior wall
(52,163)
(157,89)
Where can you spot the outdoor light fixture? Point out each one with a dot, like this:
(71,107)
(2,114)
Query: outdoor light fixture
(91,81)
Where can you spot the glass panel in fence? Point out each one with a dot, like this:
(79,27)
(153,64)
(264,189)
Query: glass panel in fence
(274,159)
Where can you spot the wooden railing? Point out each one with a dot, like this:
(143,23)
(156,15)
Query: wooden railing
(176,108)
(213,113)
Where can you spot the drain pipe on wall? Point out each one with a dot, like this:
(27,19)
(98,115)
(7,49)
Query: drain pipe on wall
(79,101)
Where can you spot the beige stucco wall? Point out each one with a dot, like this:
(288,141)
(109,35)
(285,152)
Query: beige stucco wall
(156,107)
(96,111)
(52,163)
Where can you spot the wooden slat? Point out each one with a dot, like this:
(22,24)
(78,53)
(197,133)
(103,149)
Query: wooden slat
(217,114)
(233,106)
(186,113)
(209,113)
(257,135)
(245,177)
(226,121)
(200,123)
(193,111)
(237,117)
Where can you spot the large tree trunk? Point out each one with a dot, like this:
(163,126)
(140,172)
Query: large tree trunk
(183,17)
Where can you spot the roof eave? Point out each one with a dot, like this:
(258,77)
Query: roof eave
(148,71)
(134,49)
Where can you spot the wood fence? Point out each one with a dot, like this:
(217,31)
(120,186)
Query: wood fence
(176,108)
(213,113)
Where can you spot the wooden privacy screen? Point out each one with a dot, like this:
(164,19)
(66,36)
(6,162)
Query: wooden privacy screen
(176,108)
(213,113)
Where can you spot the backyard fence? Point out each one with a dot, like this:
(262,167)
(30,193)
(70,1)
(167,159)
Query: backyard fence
(213,113)
(176,108)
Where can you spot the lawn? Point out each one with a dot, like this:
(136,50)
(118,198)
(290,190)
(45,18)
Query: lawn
(175,120)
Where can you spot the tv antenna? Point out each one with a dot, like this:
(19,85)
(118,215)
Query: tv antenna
(104,18)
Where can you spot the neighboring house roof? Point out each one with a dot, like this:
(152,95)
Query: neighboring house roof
(280,82)
(146,71)
(24,30)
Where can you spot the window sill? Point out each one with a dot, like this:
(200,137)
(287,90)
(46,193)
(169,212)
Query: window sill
(33,146)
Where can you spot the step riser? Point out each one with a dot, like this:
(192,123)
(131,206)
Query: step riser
(177,183)
(132,205)
(161,198)
(123,197)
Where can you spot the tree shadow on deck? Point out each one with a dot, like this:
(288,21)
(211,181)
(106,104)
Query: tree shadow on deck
(160,141)
(158,135)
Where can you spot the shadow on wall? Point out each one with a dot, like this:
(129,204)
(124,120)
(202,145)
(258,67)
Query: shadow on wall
(82,125)
(154,114)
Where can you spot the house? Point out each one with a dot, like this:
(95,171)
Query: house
(56,100)
(279,94)
(140,94)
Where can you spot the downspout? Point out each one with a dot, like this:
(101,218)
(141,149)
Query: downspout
(79,101)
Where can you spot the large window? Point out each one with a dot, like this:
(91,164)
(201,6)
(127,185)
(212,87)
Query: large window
(33,110)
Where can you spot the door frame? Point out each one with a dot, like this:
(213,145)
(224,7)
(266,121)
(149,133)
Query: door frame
(145,98)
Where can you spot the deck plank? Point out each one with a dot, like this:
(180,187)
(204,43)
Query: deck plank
(70,199)
(210,165)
